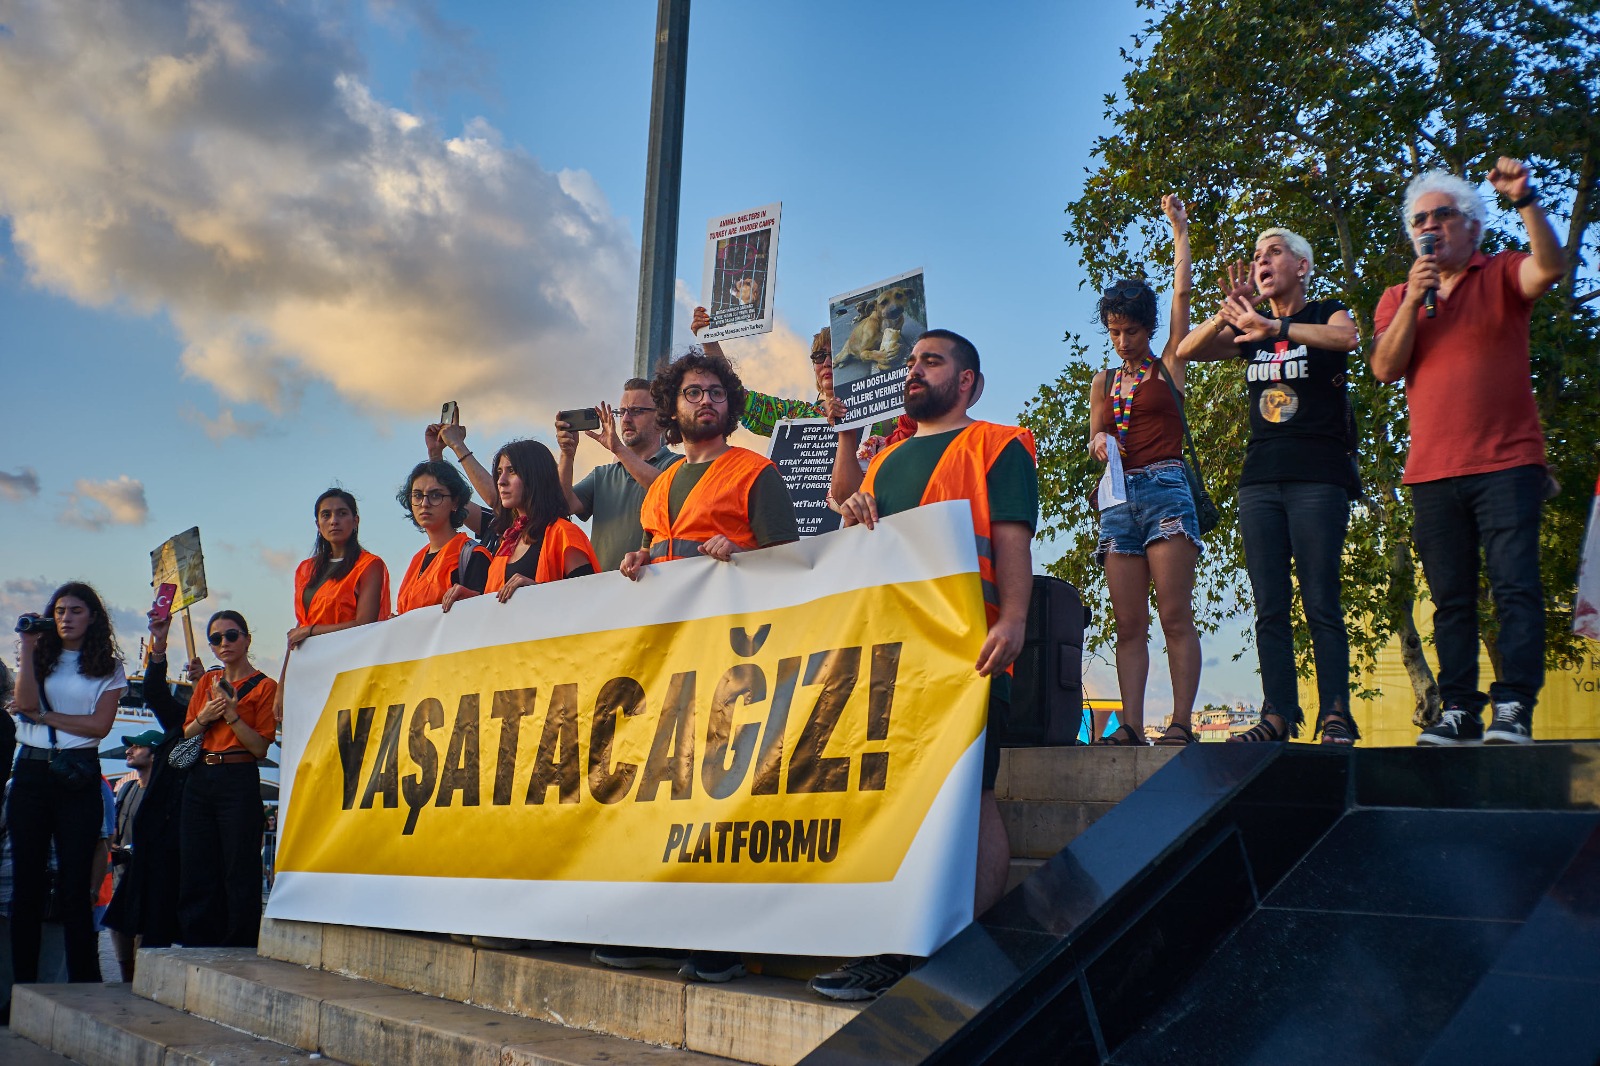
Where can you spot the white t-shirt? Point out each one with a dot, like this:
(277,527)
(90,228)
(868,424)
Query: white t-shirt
(70,693)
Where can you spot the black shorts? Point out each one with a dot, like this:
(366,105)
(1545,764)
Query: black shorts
(991,742)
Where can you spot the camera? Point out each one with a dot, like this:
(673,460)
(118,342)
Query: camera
(34,623)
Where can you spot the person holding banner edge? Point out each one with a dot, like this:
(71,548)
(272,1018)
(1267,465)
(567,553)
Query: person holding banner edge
(436,499)
(953,456)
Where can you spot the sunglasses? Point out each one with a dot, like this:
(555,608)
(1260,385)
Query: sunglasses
(1440,215)
(229,635)
(820,357)
(1124,292)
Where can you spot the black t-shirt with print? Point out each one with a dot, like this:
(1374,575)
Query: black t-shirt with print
(1298,425)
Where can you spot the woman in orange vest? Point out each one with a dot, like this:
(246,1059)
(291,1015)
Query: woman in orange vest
(341,585)
(539,543)
(436,498)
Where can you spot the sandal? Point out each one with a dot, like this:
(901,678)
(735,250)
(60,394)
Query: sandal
(1124,736)
(1185,738)
(1263,732)
(1338,728)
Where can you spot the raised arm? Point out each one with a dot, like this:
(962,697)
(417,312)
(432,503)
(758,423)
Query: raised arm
(1213,339)
(1548,262)
(1182,274)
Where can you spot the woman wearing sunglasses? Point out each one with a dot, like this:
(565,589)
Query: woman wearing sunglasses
(436,499)
(1299,472)
(342,584)
(219,828)
(762,412)
(1152,539)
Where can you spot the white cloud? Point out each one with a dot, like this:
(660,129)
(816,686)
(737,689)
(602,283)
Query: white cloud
(226,424)
(97,504)
(19,486)
(278,560)
(224,162)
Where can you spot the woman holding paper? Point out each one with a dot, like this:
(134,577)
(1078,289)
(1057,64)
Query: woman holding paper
(1299,472)
(1149,535)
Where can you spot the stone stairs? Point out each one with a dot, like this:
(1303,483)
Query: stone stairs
(375,997)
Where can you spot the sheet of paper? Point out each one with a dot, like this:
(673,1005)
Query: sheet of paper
(1113,489)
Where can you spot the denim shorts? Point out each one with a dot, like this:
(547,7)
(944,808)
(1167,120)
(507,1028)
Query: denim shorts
(1159,506)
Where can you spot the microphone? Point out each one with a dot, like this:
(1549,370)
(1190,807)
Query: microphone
(1430,298)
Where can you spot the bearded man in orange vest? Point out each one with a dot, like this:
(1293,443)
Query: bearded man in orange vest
(954,457)
(721,499)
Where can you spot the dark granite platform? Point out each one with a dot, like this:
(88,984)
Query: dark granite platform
(1284,903)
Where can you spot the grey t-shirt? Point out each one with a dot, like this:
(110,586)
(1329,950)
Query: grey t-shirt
(612,497)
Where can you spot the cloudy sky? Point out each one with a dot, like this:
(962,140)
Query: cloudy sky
(247,249)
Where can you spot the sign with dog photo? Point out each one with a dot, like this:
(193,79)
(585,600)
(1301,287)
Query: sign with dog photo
(741,253)
(873,330)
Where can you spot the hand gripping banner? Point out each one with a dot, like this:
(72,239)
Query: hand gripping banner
(779,754)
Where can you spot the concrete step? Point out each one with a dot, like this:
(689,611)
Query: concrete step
(1021,870)
(17,1050)
(762,1018)
(369,1024)
(1081,774)
(107,1025)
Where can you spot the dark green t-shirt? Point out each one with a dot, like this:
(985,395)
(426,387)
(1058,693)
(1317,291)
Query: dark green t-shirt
(1013,494)
(772,518)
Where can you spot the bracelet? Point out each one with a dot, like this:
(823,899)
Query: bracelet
(1530,197)
(1219,322)
(313,632)
(465,457)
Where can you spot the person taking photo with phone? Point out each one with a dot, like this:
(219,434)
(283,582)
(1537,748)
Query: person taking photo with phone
(219,829)
(68,684)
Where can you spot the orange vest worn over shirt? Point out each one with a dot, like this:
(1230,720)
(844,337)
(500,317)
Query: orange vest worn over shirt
(962,473)
(335,601)
(719,503)
(426,588)
(558,537)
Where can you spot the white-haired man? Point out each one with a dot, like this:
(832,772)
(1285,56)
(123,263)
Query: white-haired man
(1477,464)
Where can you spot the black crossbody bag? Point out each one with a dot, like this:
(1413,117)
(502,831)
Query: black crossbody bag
(71,771)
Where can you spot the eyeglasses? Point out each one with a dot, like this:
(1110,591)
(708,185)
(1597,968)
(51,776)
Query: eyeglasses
(1440,215)
(694,394)
(433,496)
(1124,292)
(636,412)
(229,635)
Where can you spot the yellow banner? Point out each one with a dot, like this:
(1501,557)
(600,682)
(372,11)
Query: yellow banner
(803,743)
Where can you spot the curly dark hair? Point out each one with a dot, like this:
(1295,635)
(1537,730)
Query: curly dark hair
(447,476)
(98,657)
(1130,298)
(669,379)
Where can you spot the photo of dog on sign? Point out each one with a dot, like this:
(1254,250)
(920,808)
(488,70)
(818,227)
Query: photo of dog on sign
(873,330)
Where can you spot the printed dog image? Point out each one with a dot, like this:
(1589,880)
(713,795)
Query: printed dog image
(875,338)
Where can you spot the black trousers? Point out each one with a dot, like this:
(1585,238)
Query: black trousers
(41,812)
(219,834)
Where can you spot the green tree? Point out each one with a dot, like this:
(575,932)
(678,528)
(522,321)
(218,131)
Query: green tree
(1315,118)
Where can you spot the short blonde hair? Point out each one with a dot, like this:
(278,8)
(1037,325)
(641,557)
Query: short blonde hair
(1299,247)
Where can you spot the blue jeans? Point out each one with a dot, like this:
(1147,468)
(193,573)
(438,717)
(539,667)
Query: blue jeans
(1302,523)
(1159,506)
(1498,514)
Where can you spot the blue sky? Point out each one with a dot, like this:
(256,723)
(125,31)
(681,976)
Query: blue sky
(246,249)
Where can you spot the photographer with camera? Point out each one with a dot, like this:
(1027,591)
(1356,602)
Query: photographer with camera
(219,831)
(68,684)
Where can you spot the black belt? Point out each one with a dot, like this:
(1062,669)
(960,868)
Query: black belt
(28,751)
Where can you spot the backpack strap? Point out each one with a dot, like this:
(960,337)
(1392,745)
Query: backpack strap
(467,548)
(1177,397)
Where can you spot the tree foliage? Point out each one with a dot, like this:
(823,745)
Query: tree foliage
(1315,117)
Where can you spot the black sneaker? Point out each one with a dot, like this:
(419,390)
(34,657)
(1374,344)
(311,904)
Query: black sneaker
(1513,724)
(866,978)
(713,966)
(639,958)
(1456,725)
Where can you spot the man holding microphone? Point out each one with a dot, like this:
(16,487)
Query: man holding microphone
(1457,334)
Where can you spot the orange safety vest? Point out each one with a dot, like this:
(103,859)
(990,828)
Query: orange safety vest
(426,588)
(335,601)
(558,537)
(962,473)
(718,503)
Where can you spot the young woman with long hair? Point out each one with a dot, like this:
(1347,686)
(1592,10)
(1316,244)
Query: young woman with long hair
(68,684)
(341,584)
(538,543)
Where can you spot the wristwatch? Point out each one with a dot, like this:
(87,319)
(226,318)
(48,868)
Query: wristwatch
(1283,329)
(1529,197)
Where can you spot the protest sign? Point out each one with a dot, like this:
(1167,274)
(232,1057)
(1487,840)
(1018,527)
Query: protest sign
(781,753)
(873,330)
(1586,611)
(740,273)
(181,562)
(803,450)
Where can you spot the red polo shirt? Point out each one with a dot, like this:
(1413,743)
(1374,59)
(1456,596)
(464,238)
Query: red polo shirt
(1469,386)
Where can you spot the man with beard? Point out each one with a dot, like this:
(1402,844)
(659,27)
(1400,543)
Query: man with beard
(612,494)
(743,504)
(951,456)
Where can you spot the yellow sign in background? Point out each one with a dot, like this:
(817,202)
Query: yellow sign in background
(800,744)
